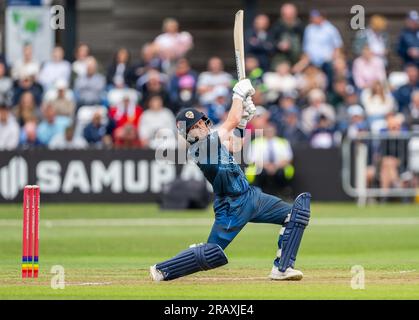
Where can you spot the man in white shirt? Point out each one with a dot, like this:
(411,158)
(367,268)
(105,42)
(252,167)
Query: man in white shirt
(9,129)
(27,65)
(67,140)
(54,70)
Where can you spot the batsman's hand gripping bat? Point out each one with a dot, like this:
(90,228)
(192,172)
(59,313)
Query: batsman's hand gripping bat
(239,45)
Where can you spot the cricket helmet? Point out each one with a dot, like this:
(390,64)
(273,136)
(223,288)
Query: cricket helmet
(187,118)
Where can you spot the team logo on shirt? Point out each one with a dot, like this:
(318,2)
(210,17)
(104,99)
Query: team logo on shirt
(189,115)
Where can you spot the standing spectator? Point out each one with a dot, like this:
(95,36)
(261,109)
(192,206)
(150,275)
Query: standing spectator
(259,41)
(404,92)
(28,136)
(287,35)
(213,77)
(9,129)
(291,129)
(156,124)
(67,140)
(378,102)
(408,47)
(51,125)
(272,157)
(182,87)
(54,70)
(6,85)
(99,132)
(412,114)
(90,87)
(321,44)
(27,65)
(26,109)
(368,69)
(280,81)
(27,83)
(62,99)
(119,71)
(317,107)
(172,44)
(79,66)
(375,37)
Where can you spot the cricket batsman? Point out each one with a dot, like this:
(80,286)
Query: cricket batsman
(236,202)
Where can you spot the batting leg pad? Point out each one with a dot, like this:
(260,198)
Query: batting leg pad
(198,258)
(294,229)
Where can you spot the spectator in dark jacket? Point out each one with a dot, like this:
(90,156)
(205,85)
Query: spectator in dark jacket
(408,48)
(24,84)
(287,35)
(259,41)
(291,130)
(97,132)
(404,93)
(119,71)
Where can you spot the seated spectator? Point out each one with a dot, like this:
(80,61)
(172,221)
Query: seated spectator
(51,125)
(413,114)
(156,123)
(317,106)
(393,153)
(368,69)
(89,88)
(126,117)
(259,41)
(356,121)
(153,83)
(26,65)
(378,102)
(291,129)
(322,137)
(9,129)
(99,132)
(253,72)
(27,83)
(26,109)
(149,60)
(217,109)
(280,81)
(6,85)
(375,37)
(28,136)
(286,102)
(119,71)
(213,77)
(54,70)
(62,99)
(311,78)
(79,66)
(408,46)
(341,70)
(287,34)
(404,92)
(67,140)
(272,157)
(183,86)
(172,44)
(321,44)
(336,97)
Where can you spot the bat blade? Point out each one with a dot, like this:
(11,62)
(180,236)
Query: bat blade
(239,44)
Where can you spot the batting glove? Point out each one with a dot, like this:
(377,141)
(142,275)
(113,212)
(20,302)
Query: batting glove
(243,89)
(249,107)
(243,121)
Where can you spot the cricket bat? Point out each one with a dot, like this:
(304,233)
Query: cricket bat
(239,45)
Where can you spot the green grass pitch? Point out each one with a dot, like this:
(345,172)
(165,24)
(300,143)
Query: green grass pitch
(106,250)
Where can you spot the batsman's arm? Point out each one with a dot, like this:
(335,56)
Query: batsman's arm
(233,119)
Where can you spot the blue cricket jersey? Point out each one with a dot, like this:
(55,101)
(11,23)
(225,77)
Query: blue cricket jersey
(218,166)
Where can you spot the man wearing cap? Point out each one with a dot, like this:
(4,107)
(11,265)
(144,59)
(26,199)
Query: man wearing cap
(408,47)
(236,202)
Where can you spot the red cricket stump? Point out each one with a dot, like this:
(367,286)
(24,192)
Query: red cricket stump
(30,243)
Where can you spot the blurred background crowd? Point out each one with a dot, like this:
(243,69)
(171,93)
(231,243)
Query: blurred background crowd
(308,90)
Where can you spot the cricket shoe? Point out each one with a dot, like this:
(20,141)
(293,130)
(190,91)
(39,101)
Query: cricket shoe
(289,274)
(156,274)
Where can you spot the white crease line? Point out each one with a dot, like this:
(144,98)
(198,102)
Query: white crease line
(182,222)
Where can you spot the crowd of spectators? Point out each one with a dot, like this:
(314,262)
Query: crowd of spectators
(309,88)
